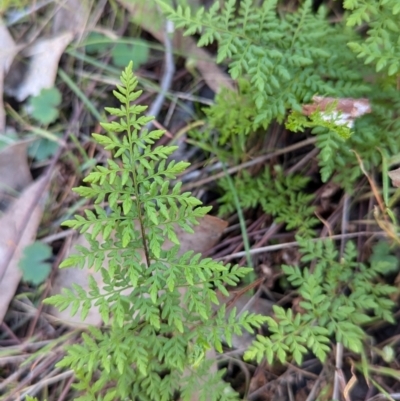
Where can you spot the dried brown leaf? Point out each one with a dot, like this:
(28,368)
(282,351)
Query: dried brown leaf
(8,50)
(14,172)
(44,56)
(349,108)
(71,16)
(394,175)
(18,229)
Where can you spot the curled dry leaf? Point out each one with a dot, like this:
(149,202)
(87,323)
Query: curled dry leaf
(394,175)
(44,54)
(18,229)
(349,108)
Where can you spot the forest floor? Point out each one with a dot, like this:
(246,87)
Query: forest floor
(46,149)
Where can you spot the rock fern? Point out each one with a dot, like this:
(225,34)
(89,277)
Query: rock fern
(286,57)
(337,297)
(156,303)
(381,46)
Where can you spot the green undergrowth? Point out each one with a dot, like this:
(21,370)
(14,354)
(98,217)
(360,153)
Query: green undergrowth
(280,59)
(339,296)
(279,195)
(157,305)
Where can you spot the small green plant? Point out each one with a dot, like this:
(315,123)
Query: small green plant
(33,263)
(157,305)
(281,59)
(381,46)
(285,57)
(280,196)
(338,298)
(7,6)
(139,51)
(121,50)
(45,106)
(330,135)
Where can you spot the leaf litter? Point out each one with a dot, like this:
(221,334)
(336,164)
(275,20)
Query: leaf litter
(70,22)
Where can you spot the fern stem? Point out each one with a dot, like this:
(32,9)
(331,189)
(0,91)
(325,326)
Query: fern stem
(135,184)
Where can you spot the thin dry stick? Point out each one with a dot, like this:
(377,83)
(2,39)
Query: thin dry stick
(166,79)
(66,389)
(345,221)
(339,346)
(250,163)
(338,372)
(303,161)
(33,373)
(276,247)
(33,390)
(273,229)
(14,377)
(313,392)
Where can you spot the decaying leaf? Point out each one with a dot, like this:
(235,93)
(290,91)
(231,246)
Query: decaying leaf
(8,50)
(14,172)
(394,175)
(18,229)
(349,108)
(45,55)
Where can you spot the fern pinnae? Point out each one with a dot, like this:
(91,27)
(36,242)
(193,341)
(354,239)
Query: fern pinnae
(151,325)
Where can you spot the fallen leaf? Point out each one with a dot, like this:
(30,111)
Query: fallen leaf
(45,55)
(394,175)
(14,172)
(18,229)
(65,278)
(8,50)
(206,235)
(29,77)
(349,108)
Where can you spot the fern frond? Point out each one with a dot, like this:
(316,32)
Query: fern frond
(327,310)
(151,326)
